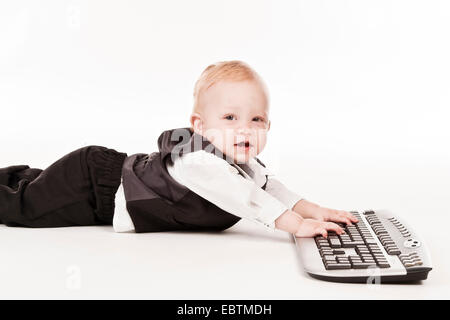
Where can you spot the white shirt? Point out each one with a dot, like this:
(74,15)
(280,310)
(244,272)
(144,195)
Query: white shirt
(215,180)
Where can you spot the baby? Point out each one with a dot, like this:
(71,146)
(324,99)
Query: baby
(205,177)
(230,118)
(231,107)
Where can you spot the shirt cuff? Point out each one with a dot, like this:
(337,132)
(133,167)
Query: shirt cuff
(269,208)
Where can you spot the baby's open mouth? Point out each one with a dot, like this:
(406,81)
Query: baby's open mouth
(243,144)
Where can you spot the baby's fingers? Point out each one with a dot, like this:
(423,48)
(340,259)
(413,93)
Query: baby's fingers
(342,218)
(350,216)
(323,232)
(333,227)
(347,217)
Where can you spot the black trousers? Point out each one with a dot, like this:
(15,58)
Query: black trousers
(77,190)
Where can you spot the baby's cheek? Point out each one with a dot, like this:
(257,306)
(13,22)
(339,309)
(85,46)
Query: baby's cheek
(261,143)
(215,139)
(222,144)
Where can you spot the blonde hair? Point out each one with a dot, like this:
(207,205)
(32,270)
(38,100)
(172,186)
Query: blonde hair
(234,70)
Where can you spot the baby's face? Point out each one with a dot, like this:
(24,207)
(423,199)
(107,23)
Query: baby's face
(234,117)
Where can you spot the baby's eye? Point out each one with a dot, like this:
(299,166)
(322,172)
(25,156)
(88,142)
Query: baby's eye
(258,119)
(229,117)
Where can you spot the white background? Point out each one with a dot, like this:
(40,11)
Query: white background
(359,108)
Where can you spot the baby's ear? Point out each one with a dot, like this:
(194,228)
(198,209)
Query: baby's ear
(196,122)
(268,128)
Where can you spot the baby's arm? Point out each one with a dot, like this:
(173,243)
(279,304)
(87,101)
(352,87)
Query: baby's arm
(297,205)
(215,180)
(305,208)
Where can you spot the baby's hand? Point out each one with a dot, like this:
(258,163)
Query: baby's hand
(327,214)
(310,228)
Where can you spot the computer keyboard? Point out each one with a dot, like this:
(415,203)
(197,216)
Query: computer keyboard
(380,248)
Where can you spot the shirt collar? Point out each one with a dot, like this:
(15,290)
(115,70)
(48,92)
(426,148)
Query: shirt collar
(255,165)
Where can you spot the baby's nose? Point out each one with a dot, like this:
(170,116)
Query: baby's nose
(244,130)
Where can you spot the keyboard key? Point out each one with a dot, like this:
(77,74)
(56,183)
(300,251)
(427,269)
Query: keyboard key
(362,265)
(394,252)
(342,259)
(362,251)
(383,264)
(326,253)
(322,244)
(352,244)
(336,266)
(370,261)
(329,258)
(335,243)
